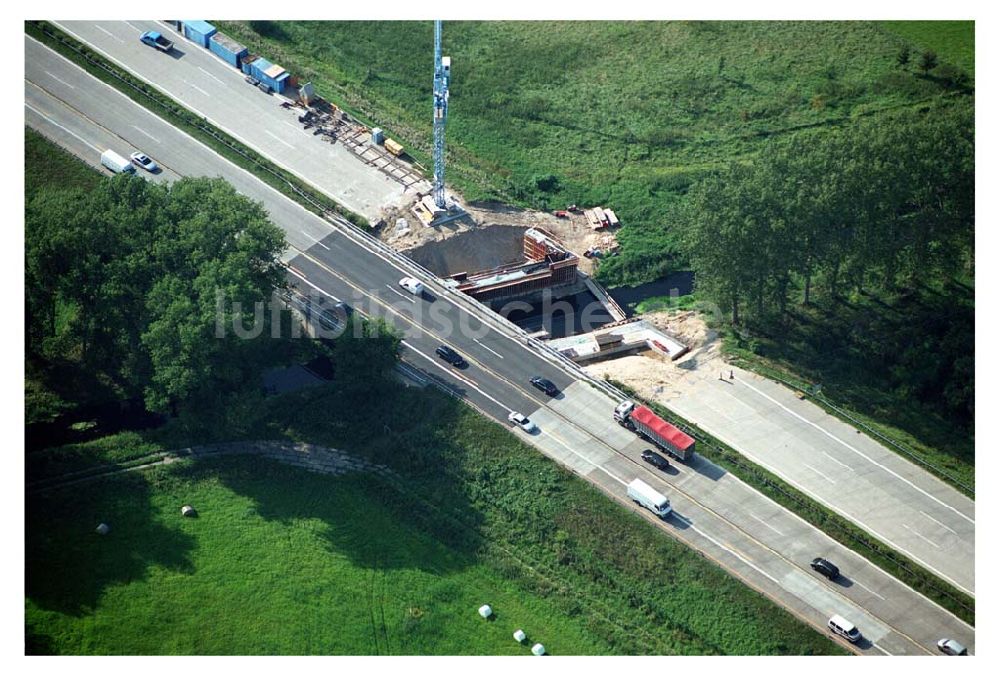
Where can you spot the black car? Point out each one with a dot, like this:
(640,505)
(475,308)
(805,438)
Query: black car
(545,385)
(825,567)
(655,460)
(450,356)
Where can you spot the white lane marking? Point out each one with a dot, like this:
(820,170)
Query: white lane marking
(109,33)
(400,294)
(68,131)
(577,453)
(856,451)
(291,124)
(766,524)
(320,243)
(143,131)
(943,526)
(881,649)
(820,474)
(843,465)
(738,556)
(199,89)
(58,79)
(452,372)
(920,535)
(488,348)
(862,585)
(210,75)
(135,27)
(278,138)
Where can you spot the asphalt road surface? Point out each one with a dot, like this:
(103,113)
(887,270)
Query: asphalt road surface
(827,459)
(198,79)
(755,539)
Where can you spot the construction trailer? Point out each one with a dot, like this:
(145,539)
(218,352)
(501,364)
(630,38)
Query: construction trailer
(393,147)
(199,31)
(272,75)
(228,49)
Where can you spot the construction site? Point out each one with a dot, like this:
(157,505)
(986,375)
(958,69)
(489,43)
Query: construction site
(533,267)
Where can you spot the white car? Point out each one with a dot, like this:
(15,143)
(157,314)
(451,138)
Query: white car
(144,161)
(521,420)
(412,285)
(952,648)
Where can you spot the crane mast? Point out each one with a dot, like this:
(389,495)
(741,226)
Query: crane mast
(442,72)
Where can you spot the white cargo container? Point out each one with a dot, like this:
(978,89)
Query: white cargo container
(116,162)
(649,498)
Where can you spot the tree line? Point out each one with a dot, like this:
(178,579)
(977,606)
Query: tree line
(884,203)
(125,280)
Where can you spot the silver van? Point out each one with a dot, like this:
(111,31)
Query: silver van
(844,628)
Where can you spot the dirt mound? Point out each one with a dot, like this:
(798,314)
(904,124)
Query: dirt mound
(656,377)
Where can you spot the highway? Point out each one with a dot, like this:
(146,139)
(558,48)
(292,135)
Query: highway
(219,93)
(891,498)
(755,539)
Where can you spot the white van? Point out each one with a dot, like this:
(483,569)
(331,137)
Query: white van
(649,498)
(116,163)
(844,628)
(412,285)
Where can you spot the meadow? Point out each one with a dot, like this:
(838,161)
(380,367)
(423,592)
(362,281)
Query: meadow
(626,114)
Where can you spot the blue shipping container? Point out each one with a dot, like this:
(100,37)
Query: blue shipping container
(199,31)
(273,76)
(227,49)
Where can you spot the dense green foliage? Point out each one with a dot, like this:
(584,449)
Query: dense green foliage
(283,561)
(132,278)
(626,114)
(885,209)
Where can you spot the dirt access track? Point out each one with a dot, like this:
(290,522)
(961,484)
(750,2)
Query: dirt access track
(837,465)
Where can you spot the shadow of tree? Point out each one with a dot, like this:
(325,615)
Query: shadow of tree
(68,566)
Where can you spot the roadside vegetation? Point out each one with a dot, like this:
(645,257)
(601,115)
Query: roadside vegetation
(280,560)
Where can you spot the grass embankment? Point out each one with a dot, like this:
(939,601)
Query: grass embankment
(281,561)
(626,114)
(46,164)
(180,117)
(953,41)
(835,526)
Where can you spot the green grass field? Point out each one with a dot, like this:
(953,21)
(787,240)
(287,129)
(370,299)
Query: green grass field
(954,41)
(279,561)
(284,561)
(46,164)
(626,114)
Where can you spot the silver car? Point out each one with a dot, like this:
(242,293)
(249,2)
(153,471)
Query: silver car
(952,648)
(144,161)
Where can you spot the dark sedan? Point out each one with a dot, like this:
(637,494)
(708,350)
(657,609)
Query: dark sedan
(450,356)
(545,385)
(825,567)
(655,460)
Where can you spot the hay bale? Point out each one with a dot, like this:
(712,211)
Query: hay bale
(188,511)
(538,650)
(485,611)
(519,636)
(103,529)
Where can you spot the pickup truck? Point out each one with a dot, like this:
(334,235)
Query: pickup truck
(154,39)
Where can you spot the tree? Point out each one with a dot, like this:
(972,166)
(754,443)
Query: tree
(928,61)
(903,57)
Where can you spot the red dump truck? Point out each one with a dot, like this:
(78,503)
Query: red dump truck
(653,428)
